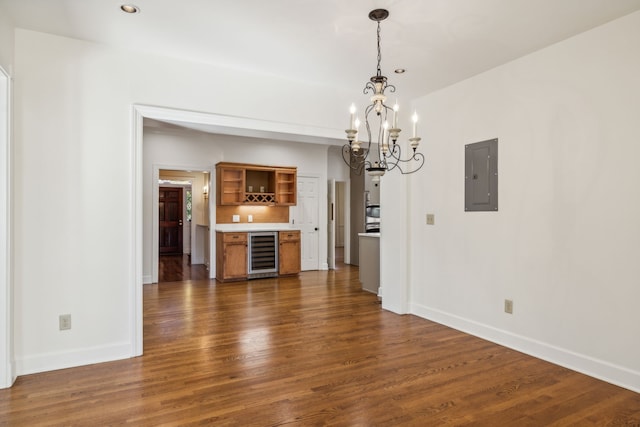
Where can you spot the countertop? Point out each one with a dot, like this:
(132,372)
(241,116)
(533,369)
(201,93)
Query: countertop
(369,235)
(254,226)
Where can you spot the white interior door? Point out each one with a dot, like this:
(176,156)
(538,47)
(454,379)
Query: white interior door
(306,217)
(331,231)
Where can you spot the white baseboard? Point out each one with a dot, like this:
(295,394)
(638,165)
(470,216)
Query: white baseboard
(70,359)
(9,376)
(146,280)
(587,365)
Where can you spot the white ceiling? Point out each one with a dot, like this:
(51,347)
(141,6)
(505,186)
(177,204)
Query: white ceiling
(330,42)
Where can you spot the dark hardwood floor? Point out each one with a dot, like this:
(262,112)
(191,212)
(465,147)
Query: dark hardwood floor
(177,268)
(309,350)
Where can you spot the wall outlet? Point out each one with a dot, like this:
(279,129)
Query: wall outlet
(64,321)
(508,306)
(431,219)
(249,218)
(235,218)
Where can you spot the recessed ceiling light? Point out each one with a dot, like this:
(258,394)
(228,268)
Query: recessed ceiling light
(399,70)
(129,8)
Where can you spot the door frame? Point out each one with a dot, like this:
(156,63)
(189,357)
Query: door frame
(331,221)
(155,234)
(230,125)
(7,365)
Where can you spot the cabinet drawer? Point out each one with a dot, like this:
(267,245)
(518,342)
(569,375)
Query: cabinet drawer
(289,236)
(234,237)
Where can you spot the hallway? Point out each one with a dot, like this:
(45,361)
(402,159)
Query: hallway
(175,268)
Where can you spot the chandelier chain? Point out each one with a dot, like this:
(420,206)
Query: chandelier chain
(379,71)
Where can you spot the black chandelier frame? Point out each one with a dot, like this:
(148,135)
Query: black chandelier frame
(388,153)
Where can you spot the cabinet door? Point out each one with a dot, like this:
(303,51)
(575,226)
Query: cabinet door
(286,187)
(230,186)
(235,260)
(289,255)
(231,256)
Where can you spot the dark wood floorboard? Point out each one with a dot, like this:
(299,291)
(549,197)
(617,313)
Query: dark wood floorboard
(177,268)
(312,350)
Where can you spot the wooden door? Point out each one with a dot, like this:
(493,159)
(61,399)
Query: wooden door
(170,218)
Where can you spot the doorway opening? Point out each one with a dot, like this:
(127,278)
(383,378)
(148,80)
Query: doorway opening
(338,228)
(182,243)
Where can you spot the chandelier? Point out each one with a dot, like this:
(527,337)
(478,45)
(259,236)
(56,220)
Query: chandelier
(380,152)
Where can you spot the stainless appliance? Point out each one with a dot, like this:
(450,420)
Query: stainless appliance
(263,254)
(372,219)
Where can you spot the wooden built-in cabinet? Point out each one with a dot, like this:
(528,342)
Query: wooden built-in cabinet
(289,253)
(231,256)
(244,184)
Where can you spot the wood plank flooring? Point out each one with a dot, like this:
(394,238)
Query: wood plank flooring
(177,268)
(310,350)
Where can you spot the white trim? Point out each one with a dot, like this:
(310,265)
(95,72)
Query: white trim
(135,296)
(596,368)
(243,126)
(7,367)
(70,359)
(155,224)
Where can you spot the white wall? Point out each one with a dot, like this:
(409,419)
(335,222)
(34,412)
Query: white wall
(564,243)
(337,169)
(190,149)
(74,183)
(6,41)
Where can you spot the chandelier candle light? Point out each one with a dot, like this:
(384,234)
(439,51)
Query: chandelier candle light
(385,156)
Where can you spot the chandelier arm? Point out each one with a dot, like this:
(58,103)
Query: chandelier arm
(369,87)
(355,162)
(396,161)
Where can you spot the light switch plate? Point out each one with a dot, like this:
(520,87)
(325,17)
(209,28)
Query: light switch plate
(64,321)
(508,306)
(431,219)
(236,218)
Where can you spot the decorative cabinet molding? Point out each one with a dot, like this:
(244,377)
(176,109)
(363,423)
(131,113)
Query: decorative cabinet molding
(254,185)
